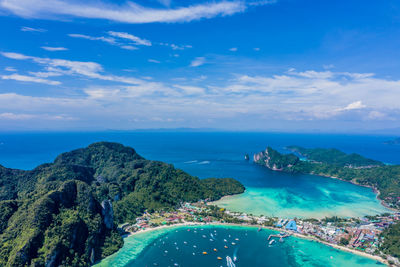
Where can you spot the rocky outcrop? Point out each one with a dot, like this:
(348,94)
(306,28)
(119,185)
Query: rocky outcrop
(274,160)
(108,213)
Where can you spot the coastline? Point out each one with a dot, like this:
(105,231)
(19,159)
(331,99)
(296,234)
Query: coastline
(298,235)
(374,189)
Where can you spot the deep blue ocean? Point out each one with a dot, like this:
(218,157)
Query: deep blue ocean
(222,149)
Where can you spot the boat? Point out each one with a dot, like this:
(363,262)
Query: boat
(234,258)
(219,258)
(246,157)
(233,243)
(205,253)
(225,240)
(272,241)
(215,250)
(229,262)
(225,246)
(237,239)
(259,229)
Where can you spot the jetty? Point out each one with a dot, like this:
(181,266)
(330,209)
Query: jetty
(280,236)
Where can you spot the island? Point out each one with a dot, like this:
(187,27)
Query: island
(383,179)
(395,141)
(67,212)
(354,168)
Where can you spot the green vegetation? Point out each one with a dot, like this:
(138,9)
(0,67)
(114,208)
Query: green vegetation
(334,156)
(391,244)
(353,168)
(275,160)
(65,213)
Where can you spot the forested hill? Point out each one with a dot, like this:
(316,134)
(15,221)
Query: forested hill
(334,156)
(66,212)
(335,163)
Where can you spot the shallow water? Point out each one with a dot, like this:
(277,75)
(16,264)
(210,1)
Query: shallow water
(184,246)
(222,155)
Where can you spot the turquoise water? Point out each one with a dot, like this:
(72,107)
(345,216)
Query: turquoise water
(222,155)
(184,246)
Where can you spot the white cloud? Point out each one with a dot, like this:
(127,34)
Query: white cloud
(13,116)
(48,48)
(112,41)
(354,105)
(198,61)
(23,116)
(136,40)
(24,78)
(128,47)
(129,12)
(256,49)
(233,49)
(29,29)
(11,69)
(176,47)
(377,115)
(108,40)
(153,61)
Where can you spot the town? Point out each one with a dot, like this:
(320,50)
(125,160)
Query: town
(360,234)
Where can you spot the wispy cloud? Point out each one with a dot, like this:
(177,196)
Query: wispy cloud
(11,69)
(125,40)
(136,40)
(176,47)
(53,49)
(108,40)
(198,61)
(29,29)
(24,78)
(127,13)
(153,61)
(59,67)
(233,49)
(25,116)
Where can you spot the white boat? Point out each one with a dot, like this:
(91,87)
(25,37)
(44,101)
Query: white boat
(229,262)
(272,241)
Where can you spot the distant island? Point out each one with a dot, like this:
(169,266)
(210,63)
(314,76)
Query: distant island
(384,179)
(66,212)
(395,141)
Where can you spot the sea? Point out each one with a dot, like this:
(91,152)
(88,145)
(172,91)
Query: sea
(221,154)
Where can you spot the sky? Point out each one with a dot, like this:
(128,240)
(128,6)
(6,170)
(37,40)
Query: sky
(254,65)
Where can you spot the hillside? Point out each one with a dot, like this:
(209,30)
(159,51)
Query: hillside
(337,164)
(65,212)
(334,156)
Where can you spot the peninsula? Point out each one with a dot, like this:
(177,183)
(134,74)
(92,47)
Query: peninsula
(66,212)
(384,179)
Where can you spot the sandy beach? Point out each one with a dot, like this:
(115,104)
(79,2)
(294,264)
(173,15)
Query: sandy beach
(357,252)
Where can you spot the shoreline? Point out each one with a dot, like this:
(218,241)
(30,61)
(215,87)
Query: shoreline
(298,235)
(374,189)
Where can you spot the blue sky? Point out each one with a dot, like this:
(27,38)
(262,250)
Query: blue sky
(290,65)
